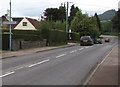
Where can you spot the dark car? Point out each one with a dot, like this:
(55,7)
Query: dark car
(86,41)
(97,41)
(107,40)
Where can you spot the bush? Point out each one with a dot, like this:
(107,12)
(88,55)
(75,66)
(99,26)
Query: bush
(27,37)
(75,36)
(58,25)
(24,34)
(54,36)
(5,41)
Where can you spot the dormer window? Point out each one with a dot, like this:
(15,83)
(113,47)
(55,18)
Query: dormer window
(24,23)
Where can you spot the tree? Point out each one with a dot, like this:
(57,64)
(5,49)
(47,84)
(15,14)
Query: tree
(62,15)
(85,25)
(52,14)
(73,12)
(116,22)
(79,22)
(55,14)
(98,22)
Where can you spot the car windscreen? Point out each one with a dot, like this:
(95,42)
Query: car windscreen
(85,38)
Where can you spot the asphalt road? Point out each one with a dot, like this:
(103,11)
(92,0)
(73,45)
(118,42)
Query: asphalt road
(65,66)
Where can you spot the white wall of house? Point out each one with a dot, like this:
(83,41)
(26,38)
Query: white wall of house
(28,26)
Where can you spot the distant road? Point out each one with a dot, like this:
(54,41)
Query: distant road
(66,66)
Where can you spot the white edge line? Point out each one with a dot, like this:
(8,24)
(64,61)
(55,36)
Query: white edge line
(86,82)
(61,55)
(7,74)
(39,63)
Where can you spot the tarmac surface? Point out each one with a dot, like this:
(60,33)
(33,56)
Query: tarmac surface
(105,74)
(107,71)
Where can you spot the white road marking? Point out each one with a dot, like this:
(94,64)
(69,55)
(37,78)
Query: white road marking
(39,63)
(61,55)
(73,51)
(88,79)
(87,47)
(81,48)
(7,74)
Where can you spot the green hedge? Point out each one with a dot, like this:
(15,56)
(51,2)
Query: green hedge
(54,36)
(34,32)
(24,34)
(75,36)
(27,37)
(5,41)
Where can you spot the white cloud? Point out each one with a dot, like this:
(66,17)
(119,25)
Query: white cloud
(35,8)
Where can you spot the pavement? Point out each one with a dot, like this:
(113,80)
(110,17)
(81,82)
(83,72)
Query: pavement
(106,72)
(9,54)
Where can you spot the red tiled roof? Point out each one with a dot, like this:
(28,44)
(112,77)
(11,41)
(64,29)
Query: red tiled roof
(32,21)
(19,19)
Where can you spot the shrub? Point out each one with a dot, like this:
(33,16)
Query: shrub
(75,36)
(5,41)
(54,36)
(27,37)
(24,34)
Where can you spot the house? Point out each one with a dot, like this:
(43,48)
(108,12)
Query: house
(23,23)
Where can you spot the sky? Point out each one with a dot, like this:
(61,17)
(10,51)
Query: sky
(35,8)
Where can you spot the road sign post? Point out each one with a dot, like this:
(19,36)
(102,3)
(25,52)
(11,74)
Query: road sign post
(10,22)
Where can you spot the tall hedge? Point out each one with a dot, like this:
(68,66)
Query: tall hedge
(5,41)
(24,34)
(75,36)
(22,31)
(54,36)
(28,35)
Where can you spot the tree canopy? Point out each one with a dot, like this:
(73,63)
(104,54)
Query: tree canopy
(84,24)
(73,12)
(116,22)
(55,14)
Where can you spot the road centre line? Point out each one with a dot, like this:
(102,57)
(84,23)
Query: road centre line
(87,47)
(7,74)
(61,55)
(38,63)
(73,51)
(81,48)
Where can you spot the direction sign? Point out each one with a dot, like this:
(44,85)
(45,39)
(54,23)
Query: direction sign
(10,22)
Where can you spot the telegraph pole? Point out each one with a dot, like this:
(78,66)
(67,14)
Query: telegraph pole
(67,16)
(10,40)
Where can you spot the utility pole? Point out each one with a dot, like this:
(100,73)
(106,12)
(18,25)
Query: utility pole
(10,40)
(67,16)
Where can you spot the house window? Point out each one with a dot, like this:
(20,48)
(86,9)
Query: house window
(24,23)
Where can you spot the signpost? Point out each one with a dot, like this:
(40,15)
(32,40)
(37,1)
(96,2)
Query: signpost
(9,22)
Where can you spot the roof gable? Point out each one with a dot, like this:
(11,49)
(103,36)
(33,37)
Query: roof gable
(29,26)
(32,21)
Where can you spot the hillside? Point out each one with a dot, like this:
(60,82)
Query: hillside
(108,15)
